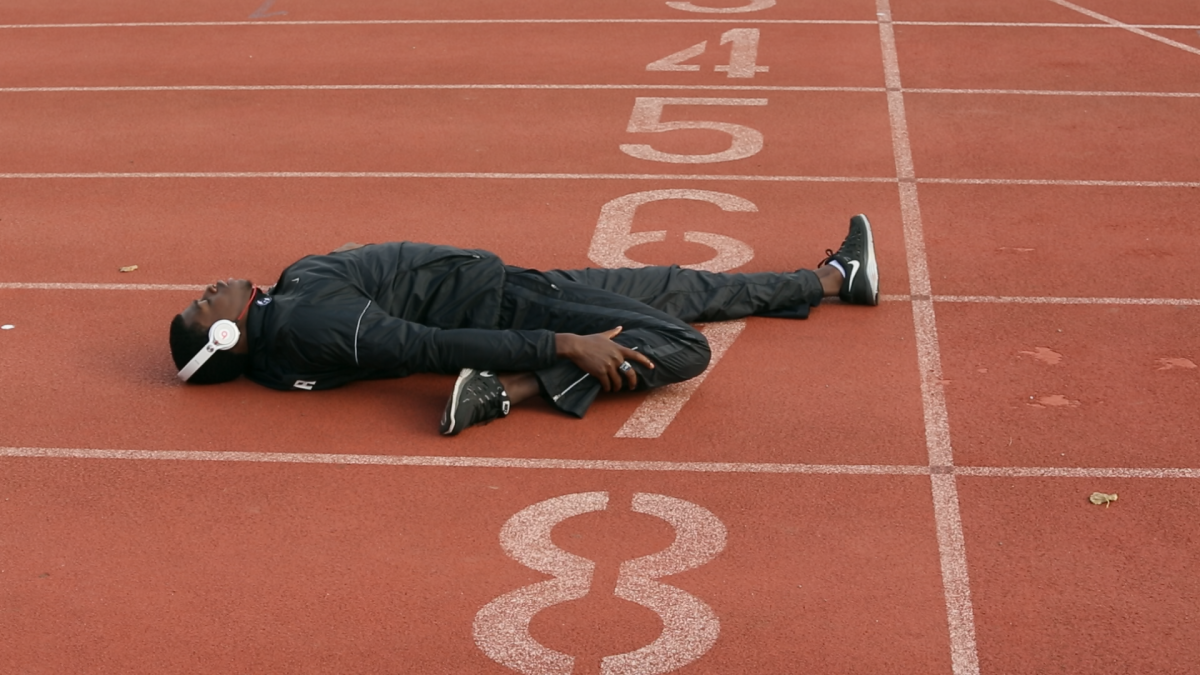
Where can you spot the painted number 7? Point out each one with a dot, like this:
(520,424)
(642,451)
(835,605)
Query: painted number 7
(647,118)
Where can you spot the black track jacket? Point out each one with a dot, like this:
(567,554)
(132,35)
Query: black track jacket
(387,310)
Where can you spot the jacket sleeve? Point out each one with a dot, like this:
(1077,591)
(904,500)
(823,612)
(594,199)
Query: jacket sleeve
(386,343)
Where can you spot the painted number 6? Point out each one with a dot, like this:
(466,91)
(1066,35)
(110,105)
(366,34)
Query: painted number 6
(647,118)
(614,232)
(754,6)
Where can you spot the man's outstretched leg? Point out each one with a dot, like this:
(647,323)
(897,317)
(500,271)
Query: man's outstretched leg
(696,296)
(656,303)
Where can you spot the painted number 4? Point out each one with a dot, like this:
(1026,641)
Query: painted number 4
(742,55)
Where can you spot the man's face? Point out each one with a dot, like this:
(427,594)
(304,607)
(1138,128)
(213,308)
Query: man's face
(221,300)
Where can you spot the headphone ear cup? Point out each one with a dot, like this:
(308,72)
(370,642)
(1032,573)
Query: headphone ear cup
(224,334)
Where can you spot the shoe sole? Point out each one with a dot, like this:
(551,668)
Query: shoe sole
(872,269)
(451,412)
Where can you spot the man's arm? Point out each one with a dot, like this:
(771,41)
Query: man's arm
(386,343)
(598,356)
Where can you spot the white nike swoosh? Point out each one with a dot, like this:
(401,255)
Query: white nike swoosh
(854,271)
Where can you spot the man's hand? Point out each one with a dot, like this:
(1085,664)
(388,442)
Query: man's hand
(348,246)
(598,356)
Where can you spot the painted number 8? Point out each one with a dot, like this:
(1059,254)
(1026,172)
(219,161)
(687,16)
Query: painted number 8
(690,628)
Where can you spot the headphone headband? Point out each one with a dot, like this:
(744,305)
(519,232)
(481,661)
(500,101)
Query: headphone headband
(223,334)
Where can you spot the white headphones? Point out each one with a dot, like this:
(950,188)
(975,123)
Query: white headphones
(223,335)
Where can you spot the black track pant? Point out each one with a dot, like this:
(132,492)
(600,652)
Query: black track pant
(654,305)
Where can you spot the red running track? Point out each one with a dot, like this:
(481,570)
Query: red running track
(891,490)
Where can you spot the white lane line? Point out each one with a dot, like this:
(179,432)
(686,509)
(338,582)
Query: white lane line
(960,615)
(1124,26)
(1017,24)
(660,407)
(956,584)
(1052,92)
(468,462)
(431,87)
(1063,183)
(431,22)
(596,464)
(592,176)
(436,22)
(99,287)
(590,87)
(1069,472)
(1035,300)
(450,174)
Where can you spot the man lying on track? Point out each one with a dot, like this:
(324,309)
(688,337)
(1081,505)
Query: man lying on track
(390,310)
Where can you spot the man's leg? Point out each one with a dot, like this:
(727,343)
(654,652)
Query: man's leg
(851,273)
(537,300)
(695,296)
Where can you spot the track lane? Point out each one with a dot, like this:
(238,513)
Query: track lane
(475,54)
(174,566)
(537,131)
(80,11)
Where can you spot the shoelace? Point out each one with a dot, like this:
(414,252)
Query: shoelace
(853,240)
(489,397)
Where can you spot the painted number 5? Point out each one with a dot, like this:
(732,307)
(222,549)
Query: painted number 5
(647,118)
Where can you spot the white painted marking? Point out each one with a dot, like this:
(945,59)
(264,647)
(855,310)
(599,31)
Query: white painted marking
(1035,300)
(614,233)
(596,87)
(452,174)
(753,6)
(690,627)
(264,11)
(587,465)
(462,462)
(1057,92)
(100,287)
(1012,24)
(7,326)
(956,583)
(432,87)
(952,551)
(434,22)
(502,626)
(592,176)
(646,118)
(675,62)
(1065,183)
(743,55)
(1072,472)
(1124,26)
(660,406)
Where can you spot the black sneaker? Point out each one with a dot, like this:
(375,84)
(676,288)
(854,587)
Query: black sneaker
(857,256)
(478,397)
